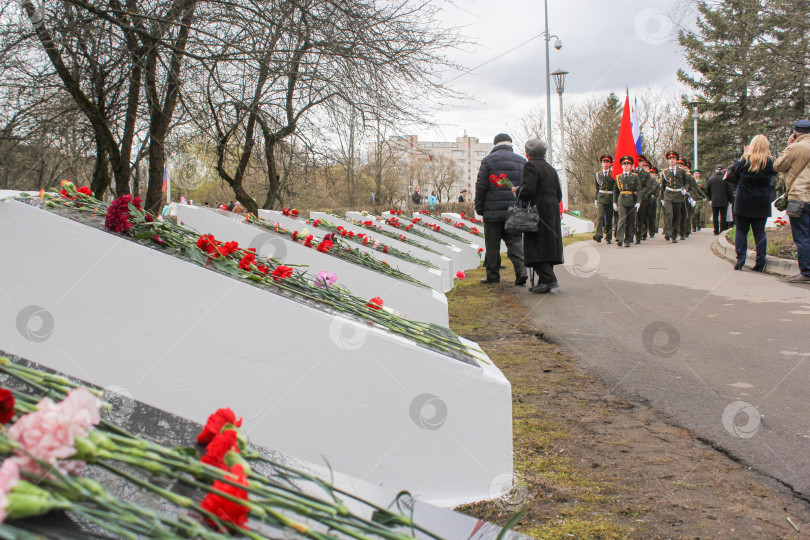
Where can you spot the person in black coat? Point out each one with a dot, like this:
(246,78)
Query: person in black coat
(540,187)
(720,193)
(752,203)
(492,201)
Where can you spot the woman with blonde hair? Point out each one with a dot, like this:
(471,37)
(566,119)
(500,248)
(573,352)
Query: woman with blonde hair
(752,203)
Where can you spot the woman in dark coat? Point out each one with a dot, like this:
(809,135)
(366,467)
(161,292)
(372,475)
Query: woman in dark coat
(540,187)
(752,203)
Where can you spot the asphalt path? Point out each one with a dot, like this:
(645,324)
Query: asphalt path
(722,353)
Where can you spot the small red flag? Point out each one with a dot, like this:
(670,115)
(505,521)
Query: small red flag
(625,146)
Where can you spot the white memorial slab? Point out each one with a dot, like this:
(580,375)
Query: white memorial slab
(432,277)
(186,339)
(409,300)
(577,224)
(441,246)
(469,249)
(443,262)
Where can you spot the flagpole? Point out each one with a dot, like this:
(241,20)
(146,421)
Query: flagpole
(548,94)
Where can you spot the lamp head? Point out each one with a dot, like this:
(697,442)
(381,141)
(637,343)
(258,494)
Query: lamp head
(558,44)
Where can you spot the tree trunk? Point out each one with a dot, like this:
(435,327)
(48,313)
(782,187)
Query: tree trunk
(100,181)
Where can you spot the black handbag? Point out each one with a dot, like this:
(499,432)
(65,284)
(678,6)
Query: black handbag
(522,220)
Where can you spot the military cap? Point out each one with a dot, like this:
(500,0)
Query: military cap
(802,126)
(696,170)
(606,157)
(654,170)
(673,153)
(681,161)
(688,163)
(626,159)
(642,158)
(719,168)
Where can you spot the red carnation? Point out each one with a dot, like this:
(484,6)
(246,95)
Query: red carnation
(294,212)
(325,246)
(295,236)
(221,444)
(84,190)
(282,272)
(247,260)
(263,269)
(229,247)
(6,406)
(316,223)
(226,509)
(117,219)
(214,425)
(376,303)
(385,249)
(285,212)
(308,240)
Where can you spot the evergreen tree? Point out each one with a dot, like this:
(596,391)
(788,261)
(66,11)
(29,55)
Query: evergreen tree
(749,63)
(726,58)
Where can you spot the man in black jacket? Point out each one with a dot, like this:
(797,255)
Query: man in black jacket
(720,193)
(492,201)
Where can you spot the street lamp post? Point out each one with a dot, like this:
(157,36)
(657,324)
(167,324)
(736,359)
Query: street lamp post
(559,81)
(558,46)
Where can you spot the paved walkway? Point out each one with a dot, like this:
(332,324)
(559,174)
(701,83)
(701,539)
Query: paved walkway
(725,354)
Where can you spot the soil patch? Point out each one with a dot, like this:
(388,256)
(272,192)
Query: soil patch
(591,465)
(780,242)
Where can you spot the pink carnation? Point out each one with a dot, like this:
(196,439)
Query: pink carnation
(50,432)
(9,476)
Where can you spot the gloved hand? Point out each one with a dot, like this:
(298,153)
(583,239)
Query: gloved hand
(692,201)
(615,207)
(637,205)
(663,203)
(595,204)
(683,191)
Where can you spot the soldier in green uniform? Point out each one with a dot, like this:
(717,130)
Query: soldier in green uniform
(603,200)
(700,201)
(625,200)
(651,218)
(689,201)
(647,186)
(673,195)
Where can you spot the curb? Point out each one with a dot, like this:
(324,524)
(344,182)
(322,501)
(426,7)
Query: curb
(773,265)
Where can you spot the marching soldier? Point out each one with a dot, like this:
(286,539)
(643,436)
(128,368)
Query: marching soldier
(603,200)
(654,197)
(625,201)
(646,187)
(700,197)
(689,200)
(673,195)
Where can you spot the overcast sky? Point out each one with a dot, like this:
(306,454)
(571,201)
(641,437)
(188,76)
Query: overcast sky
(607,45)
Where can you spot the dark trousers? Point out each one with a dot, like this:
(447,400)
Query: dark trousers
(625,230)
(800,227)
(493,234)
(672,212)
(686,219)
(719,219)
(652,217)
(545,272)
(641,219)
(604,220)
(757,225)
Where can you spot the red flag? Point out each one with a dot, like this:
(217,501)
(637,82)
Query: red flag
(625,146)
